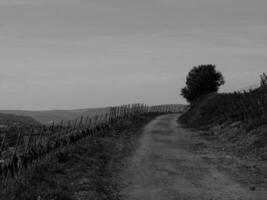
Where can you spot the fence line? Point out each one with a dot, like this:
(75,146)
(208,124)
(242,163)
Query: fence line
(23,148)
(263,83)
(248,105)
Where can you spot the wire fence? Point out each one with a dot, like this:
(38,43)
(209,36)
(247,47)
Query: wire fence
(22,148)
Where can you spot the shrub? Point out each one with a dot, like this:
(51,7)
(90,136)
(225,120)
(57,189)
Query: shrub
(200,81)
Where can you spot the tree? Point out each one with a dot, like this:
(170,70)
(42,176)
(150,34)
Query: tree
(200,81)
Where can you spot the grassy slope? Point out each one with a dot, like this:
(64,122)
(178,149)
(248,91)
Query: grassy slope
(85,170)
(10,120)
(207,114)
(207,110)
(56,115)
(242,147)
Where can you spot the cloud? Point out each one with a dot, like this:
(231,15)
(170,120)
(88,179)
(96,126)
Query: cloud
(70,53)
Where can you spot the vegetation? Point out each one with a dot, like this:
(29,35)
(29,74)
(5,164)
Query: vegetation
(84,170)
(46,117)
(12,120)
(237,122)
(200,81)
(27,148)
(248,107)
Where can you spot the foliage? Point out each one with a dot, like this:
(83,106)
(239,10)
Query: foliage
(200,81)
(83,170)
(16,120)
(248,107)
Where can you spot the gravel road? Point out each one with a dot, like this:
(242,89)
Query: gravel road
(164,168)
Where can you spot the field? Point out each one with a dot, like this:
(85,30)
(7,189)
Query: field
(90,164)
(86,158)
(47,117)
(23,148)
(8,120)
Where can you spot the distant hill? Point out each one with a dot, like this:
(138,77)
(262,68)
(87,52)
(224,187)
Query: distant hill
(9,120)
(46,117)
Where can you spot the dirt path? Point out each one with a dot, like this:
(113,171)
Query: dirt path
(163,167)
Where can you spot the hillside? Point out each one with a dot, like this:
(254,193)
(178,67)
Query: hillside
(207,110)
(143,151)
(46,117)
(247,107)
(11,120)
(236,120)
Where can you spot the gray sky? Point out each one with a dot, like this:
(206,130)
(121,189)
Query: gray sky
(89,53)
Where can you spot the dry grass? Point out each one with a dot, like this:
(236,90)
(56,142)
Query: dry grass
(85,170)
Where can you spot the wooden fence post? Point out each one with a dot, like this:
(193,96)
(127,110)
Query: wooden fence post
(81,121)
(11,162)
(86,122)
(3,143)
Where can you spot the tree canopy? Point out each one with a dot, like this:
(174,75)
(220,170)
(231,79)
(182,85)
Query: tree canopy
(202,80)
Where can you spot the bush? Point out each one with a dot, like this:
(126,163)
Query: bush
(200,81)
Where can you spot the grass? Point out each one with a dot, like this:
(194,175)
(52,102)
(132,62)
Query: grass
(9,120)
(85,170)
(248,108)
(233,125)
(235,119)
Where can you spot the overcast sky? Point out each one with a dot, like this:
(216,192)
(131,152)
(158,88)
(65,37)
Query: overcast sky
(66,54)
